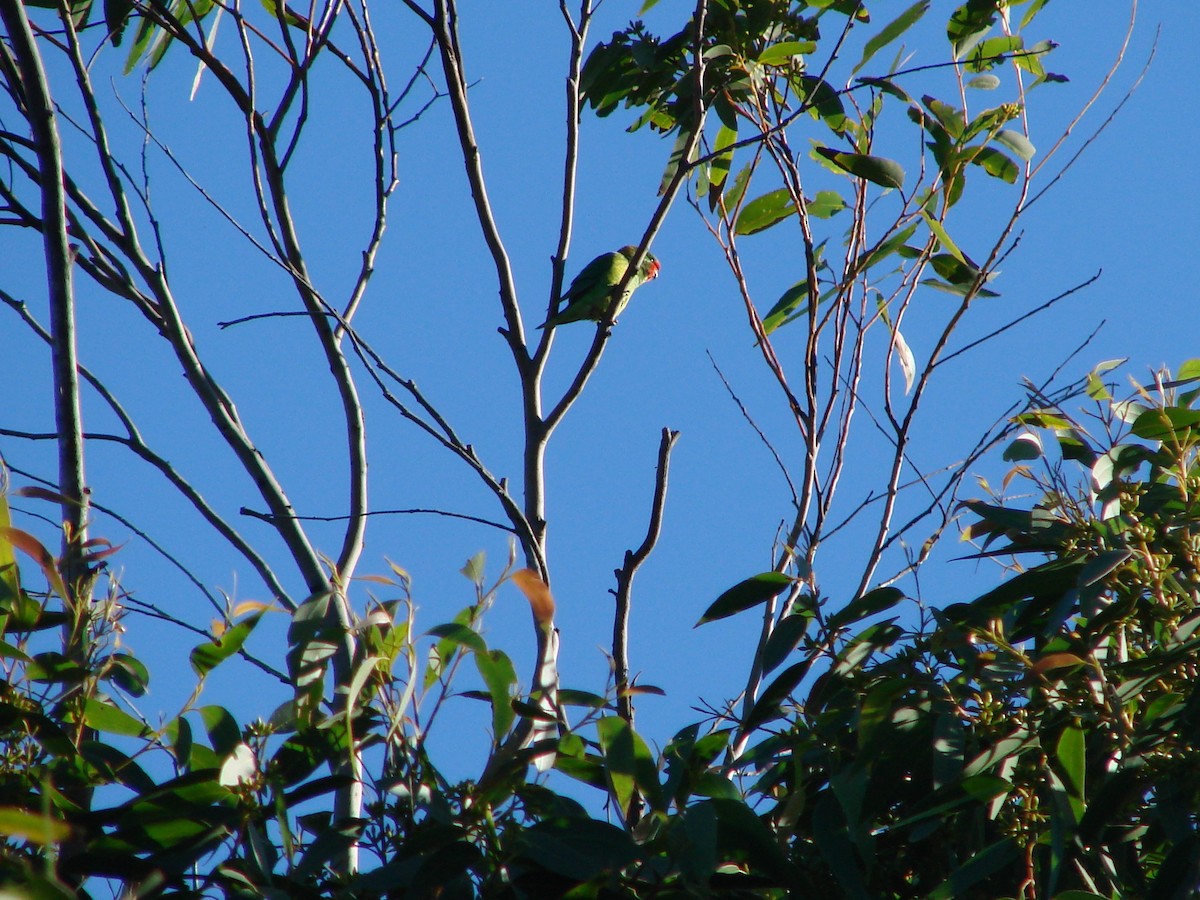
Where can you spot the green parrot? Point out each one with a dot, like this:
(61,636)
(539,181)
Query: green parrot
(590,295)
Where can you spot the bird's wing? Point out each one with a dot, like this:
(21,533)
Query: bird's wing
(605,270)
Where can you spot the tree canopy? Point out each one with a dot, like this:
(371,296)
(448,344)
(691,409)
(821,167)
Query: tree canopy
(1032,739)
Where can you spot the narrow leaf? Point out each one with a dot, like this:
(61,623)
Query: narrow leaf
(745,595)
(892,30)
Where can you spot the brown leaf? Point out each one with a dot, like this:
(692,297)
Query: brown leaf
(535,589)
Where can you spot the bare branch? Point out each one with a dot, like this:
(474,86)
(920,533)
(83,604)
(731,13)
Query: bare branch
(633,561)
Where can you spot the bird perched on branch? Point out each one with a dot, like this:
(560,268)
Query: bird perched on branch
(592,295)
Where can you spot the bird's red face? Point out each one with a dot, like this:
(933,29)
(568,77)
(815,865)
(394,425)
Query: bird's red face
(653,273)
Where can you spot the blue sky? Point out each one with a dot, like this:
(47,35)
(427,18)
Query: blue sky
(1126,207)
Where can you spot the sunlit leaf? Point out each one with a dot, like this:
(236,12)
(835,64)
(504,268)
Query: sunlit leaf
(826,204)
(538,594)
(904,356)
(763,212)
(969,23)
(629,763)
(891,31)
(33,548)
(1173,423)
(460,634)
(240,767)
(784,52)
(996,164)
(37,828)
(823,101)
(207,657)
(500,676)
(1025,446)
(791,300)
(101,715)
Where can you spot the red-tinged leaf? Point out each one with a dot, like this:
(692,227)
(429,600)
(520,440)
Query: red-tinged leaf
(31,547)
(37,493)
(635,689)
(538,594)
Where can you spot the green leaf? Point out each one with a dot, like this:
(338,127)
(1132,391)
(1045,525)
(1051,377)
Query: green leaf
(954,269)
(985,82)
(460,634)
(869,604)
(53,667)
(472,570)
(943,236)
(1017,143)
(734,195)
(766,707)
(500,676)
(826,205)
(103,716)
(128,673)
(10,578)
(746,594)
(876,169)
(969,23)
(990,53)
(629,763)
(1172,424)
(891,31)
(207,657)
(743,832)
(791,300)
(221,727)
(116,15)
(718,169)
(784,638)
(996,164)
(783,53)
(885,248)
(959,290)
(1024,447)
(1072,759)
(578,849)
(33,827)
(823,101)
(980,866)
(763,212)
